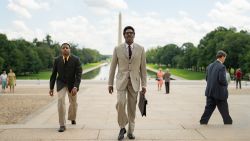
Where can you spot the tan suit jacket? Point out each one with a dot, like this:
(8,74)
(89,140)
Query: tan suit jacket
(134,68)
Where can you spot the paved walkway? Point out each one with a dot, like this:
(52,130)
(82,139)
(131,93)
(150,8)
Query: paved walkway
(172,117)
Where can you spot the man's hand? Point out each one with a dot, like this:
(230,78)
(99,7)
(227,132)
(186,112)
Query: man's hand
(111,89)
(143,91)
(74,91)
(51,92)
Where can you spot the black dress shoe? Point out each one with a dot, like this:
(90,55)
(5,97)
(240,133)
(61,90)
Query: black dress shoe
(73,122)
(121,134)
(131,136)
(228,122)
(62,129)
(203,123)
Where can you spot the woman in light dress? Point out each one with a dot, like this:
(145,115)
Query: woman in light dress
(11,80)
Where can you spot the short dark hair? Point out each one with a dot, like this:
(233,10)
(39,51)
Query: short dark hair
(65,44)
(128,27)
(221,53)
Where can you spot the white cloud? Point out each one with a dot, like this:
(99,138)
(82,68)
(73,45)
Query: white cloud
(109,4)
(18,29)
(233,13)
(151,31)
(104,7)
(18,9)
(33,4)
(24,7)
(100,11)
(152,28)
(183,13)
(79,30)
(154,31)
(20,26)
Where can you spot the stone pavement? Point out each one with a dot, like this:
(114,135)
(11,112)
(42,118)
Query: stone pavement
(172,117)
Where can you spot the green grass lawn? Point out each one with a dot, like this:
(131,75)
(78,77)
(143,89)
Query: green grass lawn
(90,65)
(45,75)
(186,74)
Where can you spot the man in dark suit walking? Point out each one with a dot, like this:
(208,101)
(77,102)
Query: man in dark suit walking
(216,90)
(67,72)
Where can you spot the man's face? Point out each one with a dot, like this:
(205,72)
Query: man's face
(65,50)
(129,36)
(223,59)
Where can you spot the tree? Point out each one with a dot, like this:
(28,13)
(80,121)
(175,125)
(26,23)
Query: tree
(235,44)
(26,57)
(210,44)
(48,40)
(190,56)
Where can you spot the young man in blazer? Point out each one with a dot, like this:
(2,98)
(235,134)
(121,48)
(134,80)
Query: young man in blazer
(67,72)
(216,90)
(131,61)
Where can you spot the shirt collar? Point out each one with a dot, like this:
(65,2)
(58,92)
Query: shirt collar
(132,45)
(67,58)
(219,61)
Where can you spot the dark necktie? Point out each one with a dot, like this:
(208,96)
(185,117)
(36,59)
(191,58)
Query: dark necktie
(129,52)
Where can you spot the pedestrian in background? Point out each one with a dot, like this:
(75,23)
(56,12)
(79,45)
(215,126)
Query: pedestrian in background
(159,78)
(3,78)
(238,77)
(166,77)
(228,77)
(12,80)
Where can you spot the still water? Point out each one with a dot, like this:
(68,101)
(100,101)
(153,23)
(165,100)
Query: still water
(102,73)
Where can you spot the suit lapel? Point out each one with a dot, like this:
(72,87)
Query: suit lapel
(69,59)
(61,60)
(134,51)
(125,51)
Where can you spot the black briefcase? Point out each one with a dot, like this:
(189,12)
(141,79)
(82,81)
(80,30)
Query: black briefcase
(142,104)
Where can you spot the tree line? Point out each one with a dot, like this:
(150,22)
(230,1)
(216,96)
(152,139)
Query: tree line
(26,57)
(188,56)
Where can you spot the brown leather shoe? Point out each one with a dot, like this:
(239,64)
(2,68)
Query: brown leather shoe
(62,129)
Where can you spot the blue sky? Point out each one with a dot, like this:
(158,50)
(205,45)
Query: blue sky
(94,23)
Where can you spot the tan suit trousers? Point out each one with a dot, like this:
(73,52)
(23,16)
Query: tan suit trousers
(131,100)
(61,106)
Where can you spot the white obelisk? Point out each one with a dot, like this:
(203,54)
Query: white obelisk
(120,29)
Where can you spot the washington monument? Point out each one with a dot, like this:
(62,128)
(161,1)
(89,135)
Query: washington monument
(120,29)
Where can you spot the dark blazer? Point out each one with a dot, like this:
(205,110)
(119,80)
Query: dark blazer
(66,74)
(216,81)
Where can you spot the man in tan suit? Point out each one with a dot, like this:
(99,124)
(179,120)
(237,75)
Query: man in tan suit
(131,61)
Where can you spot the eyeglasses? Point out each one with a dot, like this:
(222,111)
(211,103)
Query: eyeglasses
(129,33)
